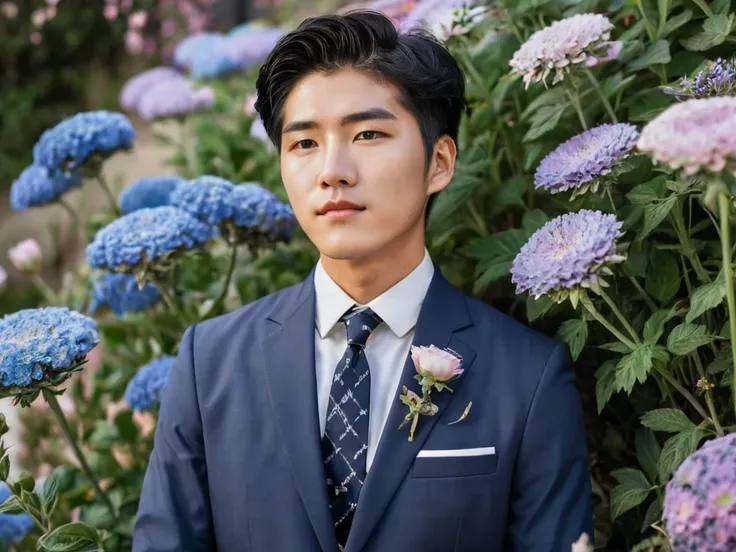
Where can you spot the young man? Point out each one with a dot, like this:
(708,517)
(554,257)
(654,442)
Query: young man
(279,428)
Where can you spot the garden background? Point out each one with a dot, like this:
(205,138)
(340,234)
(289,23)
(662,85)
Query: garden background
(593,200)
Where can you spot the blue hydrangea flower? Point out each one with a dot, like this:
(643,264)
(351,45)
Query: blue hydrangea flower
(150,191)
(36,342)
(568,252)
(717,79)
(212,62)
(190,47)
(580,162)
(145,236)
(13,527)
(120,292)
(145,389)
(262,212)
(35,187)
(208,198)
(77,138)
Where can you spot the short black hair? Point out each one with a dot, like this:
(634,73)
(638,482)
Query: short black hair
(431,84)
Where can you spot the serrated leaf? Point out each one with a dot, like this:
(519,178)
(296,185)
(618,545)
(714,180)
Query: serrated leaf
(632,490)
(633,367)
(676,449)
(687,337)
(574,333)
(706,297)
(657,53)
(509,194)
(544,120)
(674,23)
(536,308)
(647,451)
(605,385)
(670,420)
(715,30)
(654,327)
(663,276)
(655,213)
(653,515)
(616,347)
(72,537)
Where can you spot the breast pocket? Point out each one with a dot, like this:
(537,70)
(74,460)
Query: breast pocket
(455,463)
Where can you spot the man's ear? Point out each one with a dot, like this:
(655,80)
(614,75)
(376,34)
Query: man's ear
(442,165)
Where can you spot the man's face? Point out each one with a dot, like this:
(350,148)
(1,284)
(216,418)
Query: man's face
(346,138)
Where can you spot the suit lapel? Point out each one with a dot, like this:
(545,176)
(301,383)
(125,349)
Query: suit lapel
(290,373)
(443,313)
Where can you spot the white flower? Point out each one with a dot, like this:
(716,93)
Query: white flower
(26,255)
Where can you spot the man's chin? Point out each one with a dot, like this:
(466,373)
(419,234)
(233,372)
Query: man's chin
(348,250)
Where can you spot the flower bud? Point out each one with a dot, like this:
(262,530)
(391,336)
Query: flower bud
(26,256)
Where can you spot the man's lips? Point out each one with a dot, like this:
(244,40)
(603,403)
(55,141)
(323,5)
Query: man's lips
(339,208)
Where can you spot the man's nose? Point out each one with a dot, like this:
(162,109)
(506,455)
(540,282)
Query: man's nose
(338,167)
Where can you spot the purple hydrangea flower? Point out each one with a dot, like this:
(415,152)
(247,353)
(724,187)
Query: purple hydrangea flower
(693,135)
(718,79)
(581,38)
(580,162)
(700,499)
(137,86)
(174,98)
(74,140)
(252,47)
(566,253)
(34,187)
(150,191)
(146,236)
(120,292)
(144,391)
(37,342)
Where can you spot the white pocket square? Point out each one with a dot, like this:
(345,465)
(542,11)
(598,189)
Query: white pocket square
(481,451)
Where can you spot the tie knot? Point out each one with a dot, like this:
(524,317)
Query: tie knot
(360,323)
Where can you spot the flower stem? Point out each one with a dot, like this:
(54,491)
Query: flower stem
(76,223)
(621,317)
(166,294)
(572,93)
(588,304)
(108,193)
(708,396)
(685,393)
(56,409)
(226,283)
(602,96)
(644,294)
(723,213)
(678,223)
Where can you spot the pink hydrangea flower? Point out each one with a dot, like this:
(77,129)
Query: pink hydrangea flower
(26,255)
(693,135)
(435,363)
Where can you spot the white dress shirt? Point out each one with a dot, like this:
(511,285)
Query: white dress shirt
(386,350)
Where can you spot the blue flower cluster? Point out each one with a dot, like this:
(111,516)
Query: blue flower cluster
(248,206)
(74,140)
(146,235)
(120,292)
(189,47)
(151,191)
(36,341)
(34,186)
(145,389)
(13,527)
(718,79)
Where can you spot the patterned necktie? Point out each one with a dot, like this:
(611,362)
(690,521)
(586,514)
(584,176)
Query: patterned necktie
(345,442)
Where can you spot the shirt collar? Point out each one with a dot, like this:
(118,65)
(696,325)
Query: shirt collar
(398,306)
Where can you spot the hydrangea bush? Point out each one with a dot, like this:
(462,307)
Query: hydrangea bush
(593,200)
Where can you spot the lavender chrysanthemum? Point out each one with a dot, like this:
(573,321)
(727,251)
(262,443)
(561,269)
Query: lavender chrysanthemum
(145,389)
(566,253)
(146,236)
(13,527)
(74,140)
(190,47)
(34,187)
(37,342)
(579,162)
(137,86)
(174,98)
(120,292)
(150,191)
(582,38)
(693,135)
(700,499)
(718,79)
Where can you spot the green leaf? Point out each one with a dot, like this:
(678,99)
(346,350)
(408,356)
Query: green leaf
(663,276)
(715,30)
(706,297)
(647,451)
(509,194)
(657,53)
(674,23)
(687,337)
(633,488)
(670,420)
(574,332)
(616,347)
(544,120)
(605,385)
(676,449)
(655,213)
(496,253)
(633,367)
(654,327)
(653,515)
(721,6)
(642,194)
(26,482)
(50,492)
(72,537)
(536,308)
(533,220)
(11,506)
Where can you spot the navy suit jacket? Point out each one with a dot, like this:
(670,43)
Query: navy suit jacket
(236,465)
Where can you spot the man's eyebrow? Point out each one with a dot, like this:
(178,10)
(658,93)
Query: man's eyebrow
(367,115)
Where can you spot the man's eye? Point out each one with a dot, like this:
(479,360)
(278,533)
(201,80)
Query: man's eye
(304,144)
(370,135)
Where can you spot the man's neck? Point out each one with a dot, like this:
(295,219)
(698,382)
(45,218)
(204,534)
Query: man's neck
(366,278)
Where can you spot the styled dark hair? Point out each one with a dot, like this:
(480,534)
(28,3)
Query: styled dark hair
(431,84)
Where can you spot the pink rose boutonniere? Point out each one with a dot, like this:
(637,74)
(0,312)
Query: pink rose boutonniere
(435,368)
